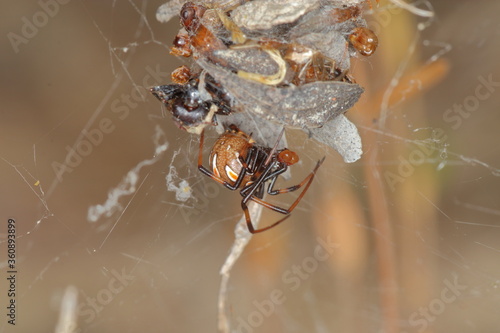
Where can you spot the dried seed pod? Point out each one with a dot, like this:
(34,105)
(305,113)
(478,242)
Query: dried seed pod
(249,59)
(168,10)
(237,35)
(332,45)
(273,79)
(339,133)
(342,135)
(263,131)
(308,106)
(325,19)
(223,5)
(264,15)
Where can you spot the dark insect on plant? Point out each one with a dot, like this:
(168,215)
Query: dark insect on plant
(238,163)
(195,102)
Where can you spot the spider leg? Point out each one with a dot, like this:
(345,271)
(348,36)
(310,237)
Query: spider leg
(259,193)
(307,180)
(249,221)
(273,150)
(250,162)
(248,191)
(272,176)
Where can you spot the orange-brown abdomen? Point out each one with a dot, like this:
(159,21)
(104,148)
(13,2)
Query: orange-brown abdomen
(225,156)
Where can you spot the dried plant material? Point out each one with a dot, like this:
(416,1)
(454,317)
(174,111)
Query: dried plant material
(326,19)
(169,10)
(223,5)
(331,45)
(308,106)
(265,14)
(342,135)
(264,132)
(271,79)
(284,61)
(237,36)
(250,59)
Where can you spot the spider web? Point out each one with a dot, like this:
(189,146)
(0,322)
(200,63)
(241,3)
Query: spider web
(118,231)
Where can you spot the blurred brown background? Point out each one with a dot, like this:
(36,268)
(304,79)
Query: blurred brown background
(415,222)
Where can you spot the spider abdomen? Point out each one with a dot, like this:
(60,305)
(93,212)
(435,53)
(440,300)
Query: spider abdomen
(227,155)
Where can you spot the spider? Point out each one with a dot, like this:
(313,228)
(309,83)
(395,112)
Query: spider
(237,163)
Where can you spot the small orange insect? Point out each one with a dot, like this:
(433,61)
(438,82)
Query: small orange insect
(364,40)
